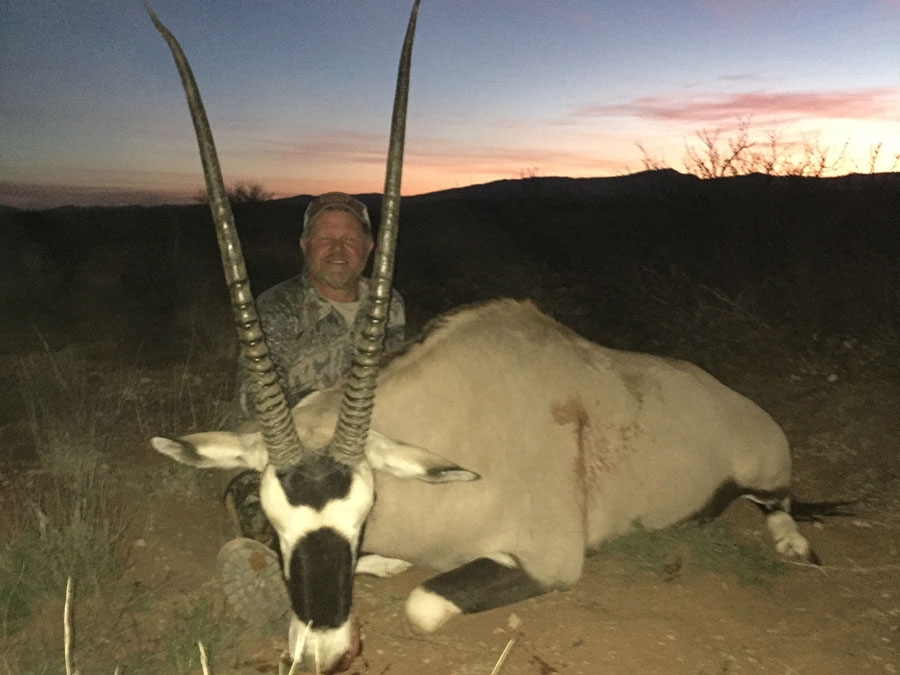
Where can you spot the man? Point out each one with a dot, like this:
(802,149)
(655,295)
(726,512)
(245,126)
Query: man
(310,320)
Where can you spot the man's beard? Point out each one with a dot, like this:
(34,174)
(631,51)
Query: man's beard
(338,277)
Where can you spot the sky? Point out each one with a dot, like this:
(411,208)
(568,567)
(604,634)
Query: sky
(299,92)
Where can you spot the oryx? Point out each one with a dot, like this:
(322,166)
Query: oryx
(503,446)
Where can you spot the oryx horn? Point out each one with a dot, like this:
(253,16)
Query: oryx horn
(278,429)
(348,442)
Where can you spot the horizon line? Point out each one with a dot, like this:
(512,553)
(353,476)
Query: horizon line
(127,197)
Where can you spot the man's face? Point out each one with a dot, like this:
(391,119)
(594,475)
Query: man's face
(336,248)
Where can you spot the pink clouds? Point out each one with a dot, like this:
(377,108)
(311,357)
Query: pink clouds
(432,163)
(862,104)
(320,145)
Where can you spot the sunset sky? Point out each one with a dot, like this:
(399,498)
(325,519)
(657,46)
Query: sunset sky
(299,91)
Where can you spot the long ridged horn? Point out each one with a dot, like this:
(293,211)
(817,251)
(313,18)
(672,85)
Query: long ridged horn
(272,410)
(348,442)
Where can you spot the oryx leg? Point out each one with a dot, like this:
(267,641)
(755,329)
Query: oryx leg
(380,566)
(477,586)
(782,527)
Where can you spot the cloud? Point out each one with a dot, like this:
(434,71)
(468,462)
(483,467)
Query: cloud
(431,154)
(341,146)
(861,104)
(490,161)
(739,77)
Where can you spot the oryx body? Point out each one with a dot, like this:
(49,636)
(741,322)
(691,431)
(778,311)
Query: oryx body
(574,443)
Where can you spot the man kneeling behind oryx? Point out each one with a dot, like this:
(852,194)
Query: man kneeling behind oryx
(310,323)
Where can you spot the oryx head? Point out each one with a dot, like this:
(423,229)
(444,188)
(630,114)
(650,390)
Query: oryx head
(317,499)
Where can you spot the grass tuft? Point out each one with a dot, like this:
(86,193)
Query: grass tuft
(68,520)
(710,547)
(74,527)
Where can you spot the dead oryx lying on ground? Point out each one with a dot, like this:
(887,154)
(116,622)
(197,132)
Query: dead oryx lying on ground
(502,447)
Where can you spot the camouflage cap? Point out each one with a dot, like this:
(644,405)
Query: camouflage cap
(337,200)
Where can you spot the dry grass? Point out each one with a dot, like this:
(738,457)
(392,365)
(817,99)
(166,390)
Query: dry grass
(72,512)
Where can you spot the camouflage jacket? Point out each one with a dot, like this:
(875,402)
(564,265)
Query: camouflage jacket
(310,339)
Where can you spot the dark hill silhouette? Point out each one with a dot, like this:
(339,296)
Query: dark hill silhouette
(820,253)
(570,188)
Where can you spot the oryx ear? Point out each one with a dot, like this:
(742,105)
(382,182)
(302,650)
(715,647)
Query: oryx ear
(410,461)
(216,449)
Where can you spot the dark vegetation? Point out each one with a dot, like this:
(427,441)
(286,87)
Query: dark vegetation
(623,260)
